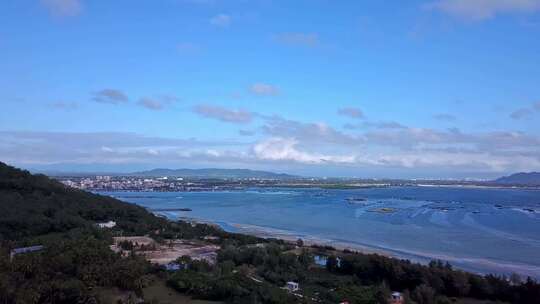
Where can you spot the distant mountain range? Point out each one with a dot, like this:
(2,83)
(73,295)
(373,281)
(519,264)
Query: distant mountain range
(213,173)
(522,178)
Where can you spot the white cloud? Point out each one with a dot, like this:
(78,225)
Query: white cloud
(377,145)
(396,145)
(317,146)
(458,161)
(263,89)
(107,149)
(63,8)
(213,153)
(320,133)
(477,10)
(221,20)
(286,149)
(153,152)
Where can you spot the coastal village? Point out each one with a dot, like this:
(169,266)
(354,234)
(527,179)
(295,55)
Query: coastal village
(172,254)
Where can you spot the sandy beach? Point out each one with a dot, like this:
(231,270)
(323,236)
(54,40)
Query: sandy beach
(478,230)
(415,256)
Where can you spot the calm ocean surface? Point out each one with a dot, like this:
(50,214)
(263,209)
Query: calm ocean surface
(480,230)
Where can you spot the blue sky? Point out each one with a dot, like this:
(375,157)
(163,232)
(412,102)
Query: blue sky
(423,88)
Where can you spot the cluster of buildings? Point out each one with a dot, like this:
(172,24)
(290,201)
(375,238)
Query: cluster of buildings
(146,184)
(109,224)
(120,183)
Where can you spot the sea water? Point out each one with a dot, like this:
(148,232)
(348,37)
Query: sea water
(484,230)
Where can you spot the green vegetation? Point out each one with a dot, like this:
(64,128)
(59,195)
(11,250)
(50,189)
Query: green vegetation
(77,262)
(159,292)
(77,265)
(255,274)
(252,273)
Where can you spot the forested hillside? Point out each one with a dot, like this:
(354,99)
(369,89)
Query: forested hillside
(77,262)
(34,204)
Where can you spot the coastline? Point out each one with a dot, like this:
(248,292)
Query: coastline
(468,264)
(263,232)
(287,236)
(327,187)
(479,262)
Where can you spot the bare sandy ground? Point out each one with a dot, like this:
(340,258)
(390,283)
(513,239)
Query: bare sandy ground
(170,251)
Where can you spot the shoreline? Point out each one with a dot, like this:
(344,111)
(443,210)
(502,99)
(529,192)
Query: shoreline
(290,237)
(468,264)
(263,232)
(323,187)
(479,262)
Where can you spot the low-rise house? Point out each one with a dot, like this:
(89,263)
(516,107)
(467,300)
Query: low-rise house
(109,224)
(396,298)
(258,245)
(292,286)
(174,266)
(211,238)
(22,250)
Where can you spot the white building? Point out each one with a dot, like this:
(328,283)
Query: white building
(109,224)
(396,298)
(22,250)
(292,286)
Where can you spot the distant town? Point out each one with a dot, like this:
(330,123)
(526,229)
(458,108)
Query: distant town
(134,183)
(145,183)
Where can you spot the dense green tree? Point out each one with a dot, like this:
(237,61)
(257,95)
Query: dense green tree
(332,263)
(424,294)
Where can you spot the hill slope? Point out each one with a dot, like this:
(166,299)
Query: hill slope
(522,178)
(75,261)
(34,205)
